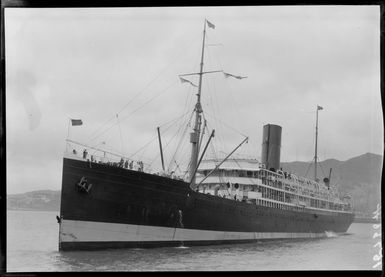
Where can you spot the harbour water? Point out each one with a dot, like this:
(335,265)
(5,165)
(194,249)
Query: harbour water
(32,246)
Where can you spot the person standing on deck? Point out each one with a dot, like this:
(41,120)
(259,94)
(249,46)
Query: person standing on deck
(85,153)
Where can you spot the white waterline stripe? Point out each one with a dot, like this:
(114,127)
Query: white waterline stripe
(88,231)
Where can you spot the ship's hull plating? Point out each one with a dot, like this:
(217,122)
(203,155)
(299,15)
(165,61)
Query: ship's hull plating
(126,208)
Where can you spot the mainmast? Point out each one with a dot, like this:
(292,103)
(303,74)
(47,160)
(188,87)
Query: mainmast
(194,136)
(316,141)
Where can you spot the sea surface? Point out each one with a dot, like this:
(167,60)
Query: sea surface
(32,246)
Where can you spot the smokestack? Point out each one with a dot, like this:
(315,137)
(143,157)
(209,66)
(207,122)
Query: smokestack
(271,146)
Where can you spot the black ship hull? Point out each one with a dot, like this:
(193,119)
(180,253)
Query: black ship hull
(127,208)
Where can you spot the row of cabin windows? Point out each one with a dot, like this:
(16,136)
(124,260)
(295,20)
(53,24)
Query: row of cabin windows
(269,178)
(266,178)
(248,173)
(265,203)
(286,207)
(235,173)
(306,191)
(286,197)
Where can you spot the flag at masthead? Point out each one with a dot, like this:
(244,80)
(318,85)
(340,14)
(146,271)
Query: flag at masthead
(211,25)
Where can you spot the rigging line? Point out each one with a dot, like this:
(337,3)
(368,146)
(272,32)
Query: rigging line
(236,106)
(212,146)
(181,142)
(171,166)
(150,100)
(180,119)
(182,139)
(214,104)
(216,109)
(222,143)
(183,147)
(231,89)
(233,99)
(164,70)
(175,135)
(132,155)
(321,168)
(179,129)
(177,167)
(121,137)
(226,125)
(187,170)
(175,119)
(156,157)
(311,162)
(190,99)
(185,107)
(104,140)
(169,122)
(140,149)
(92,139)
(205,125)
(213,109)
(220,127)
(97,130)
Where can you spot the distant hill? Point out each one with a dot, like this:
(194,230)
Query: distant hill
(359,176)
(40,200)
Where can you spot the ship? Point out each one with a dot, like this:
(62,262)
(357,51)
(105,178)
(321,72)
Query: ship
(111,204)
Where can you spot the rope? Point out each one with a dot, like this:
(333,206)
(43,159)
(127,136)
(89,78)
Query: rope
(150,100)
(121,137)
(181,140)
(163,71)
(308,168)
(171,121)
(155,158)
(227,125)
(322,169)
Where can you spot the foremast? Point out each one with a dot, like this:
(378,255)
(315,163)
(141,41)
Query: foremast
(194,136)
(316,144)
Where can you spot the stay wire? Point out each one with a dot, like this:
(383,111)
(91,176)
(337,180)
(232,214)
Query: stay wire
(121,137)
(182,139)
(156,157)
(126,117)
(148,85)
(171,121)
(227,125)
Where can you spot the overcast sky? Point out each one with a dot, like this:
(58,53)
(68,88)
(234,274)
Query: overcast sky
(94,64)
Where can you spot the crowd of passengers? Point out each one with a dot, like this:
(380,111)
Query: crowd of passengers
(264,174)
(122,163)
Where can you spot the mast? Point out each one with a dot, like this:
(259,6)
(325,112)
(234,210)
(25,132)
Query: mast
(160,146)
(194,136)
(316,141)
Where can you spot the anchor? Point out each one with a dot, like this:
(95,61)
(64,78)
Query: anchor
(83,185)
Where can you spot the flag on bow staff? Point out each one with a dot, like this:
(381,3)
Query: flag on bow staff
(227,75)
(211,25)
(319,108)
(76,122)
(187,81)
